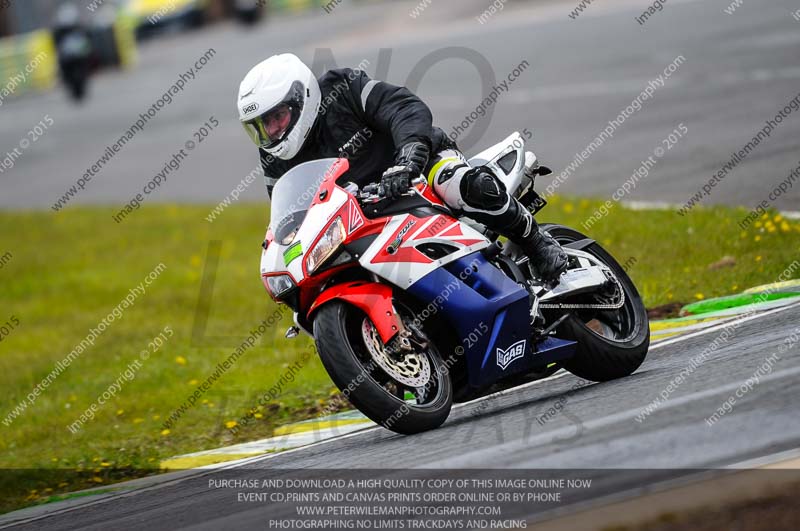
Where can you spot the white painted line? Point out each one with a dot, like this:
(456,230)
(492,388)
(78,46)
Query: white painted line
(765,460)
(280,442)
(691,327)
(665,205)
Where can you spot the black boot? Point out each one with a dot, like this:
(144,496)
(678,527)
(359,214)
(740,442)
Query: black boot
(546,257)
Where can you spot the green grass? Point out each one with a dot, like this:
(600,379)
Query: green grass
(70,269)
(672,255)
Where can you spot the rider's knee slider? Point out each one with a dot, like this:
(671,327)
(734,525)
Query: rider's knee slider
(481,189)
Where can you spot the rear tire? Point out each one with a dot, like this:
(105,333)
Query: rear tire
(346,360)
(598,358)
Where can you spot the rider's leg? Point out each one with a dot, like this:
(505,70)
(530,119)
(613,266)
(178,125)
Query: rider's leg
(478,193)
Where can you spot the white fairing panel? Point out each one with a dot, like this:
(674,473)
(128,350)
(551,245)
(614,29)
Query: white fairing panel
(404,234)
(272,259)
(490,157)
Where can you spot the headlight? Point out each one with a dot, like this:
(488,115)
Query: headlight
(279,284)
(328,244)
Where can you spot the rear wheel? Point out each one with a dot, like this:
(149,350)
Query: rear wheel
(611,343)
(406,393)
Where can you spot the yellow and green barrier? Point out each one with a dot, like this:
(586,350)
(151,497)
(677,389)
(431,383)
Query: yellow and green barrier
(295,5)
(27,62)
(304,5)
(125,39)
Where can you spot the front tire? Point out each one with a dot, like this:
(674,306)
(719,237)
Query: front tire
(350,365)
(611,344)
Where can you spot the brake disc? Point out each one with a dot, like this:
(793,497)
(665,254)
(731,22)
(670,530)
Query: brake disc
(412,370)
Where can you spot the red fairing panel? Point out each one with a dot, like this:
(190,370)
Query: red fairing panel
(336,170)
(370,297)
(453,231)
(403,253)
(428,193)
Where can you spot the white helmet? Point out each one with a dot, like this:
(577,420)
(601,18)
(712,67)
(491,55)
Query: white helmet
(279,100)
(68,15)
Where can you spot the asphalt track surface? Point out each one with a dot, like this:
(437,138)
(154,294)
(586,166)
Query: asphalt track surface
(739,70)
(597,429)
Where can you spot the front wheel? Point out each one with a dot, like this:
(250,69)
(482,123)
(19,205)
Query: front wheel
(611,343)
(407,393)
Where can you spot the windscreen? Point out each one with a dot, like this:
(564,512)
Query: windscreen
(292,196)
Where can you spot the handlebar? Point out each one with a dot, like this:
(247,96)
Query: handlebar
(372,193)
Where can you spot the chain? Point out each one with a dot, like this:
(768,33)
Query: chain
(612,306)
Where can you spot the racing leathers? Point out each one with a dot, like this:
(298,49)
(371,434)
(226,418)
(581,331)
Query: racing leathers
(376,125)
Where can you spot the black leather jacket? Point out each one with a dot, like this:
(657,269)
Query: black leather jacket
(366,121)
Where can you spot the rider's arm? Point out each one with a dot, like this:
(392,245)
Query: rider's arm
(388,108)
(397,112)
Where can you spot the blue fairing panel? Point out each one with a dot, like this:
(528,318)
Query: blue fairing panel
(489,312)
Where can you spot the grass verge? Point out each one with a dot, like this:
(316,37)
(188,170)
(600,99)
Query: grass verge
(63,273)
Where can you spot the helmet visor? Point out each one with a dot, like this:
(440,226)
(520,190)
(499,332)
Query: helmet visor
(271,127)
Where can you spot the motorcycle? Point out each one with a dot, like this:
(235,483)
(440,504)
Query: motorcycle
(248,12)
(412,309)
(75,61)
